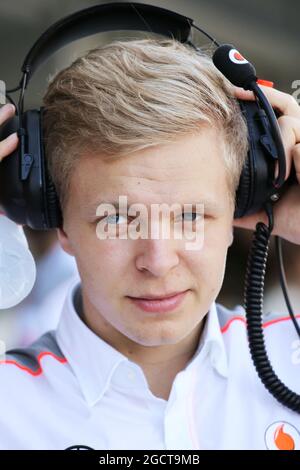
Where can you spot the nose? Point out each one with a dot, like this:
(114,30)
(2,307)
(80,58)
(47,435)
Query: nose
(158,256)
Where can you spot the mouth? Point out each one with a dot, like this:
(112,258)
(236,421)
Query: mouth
(159,304)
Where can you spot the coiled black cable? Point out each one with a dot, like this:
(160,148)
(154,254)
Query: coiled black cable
(253,302)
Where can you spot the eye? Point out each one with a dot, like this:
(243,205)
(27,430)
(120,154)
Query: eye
(112,219)
(193,218)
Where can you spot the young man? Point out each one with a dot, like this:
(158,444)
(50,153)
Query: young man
(154,121)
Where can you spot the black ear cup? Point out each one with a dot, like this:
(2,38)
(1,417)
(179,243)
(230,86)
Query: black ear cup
(27,194)
(256,179)
(11,189)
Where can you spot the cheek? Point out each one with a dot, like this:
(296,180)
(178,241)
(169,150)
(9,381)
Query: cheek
(210,261)
(102,262)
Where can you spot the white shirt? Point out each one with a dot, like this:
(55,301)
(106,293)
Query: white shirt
(274,296)
(71,388)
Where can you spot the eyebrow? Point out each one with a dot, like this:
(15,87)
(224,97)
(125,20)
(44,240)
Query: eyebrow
(209,204)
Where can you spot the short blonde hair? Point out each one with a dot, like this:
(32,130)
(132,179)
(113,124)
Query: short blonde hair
(128,95)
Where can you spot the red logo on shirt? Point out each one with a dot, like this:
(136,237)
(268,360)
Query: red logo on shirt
(282,436)
(283,441)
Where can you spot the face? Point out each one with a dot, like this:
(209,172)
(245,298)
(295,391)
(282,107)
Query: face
(188,171)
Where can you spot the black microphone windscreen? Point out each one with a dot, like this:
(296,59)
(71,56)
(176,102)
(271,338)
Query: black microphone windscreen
(234,66)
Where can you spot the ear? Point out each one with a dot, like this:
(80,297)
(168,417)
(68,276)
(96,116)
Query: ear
(64,241)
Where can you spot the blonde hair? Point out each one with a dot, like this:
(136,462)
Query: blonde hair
(128,95)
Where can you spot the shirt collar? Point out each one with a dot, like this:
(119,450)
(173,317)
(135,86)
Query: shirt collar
(212,340)
(94,361)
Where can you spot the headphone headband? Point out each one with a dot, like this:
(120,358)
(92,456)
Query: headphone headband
(106,17)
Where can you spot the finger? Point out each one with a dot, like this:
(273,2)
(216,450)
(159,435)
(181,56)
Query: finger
(6,112)
(281,101)
(290,134)
(289,124)
(242,94)
(8,145)
(296,160)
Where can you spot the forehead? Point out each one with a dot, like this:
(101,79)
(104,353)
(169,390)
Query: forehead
(190,168)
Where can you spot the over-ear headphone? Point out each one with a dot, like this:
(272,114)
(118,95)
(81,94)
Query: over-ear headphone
(28,195)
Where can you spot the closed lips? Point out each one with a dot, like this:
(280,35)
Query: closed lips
(158,297)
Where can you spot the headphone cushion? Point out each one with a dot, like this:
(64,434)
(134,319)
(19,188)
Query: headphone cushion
(52,203)
(244,189)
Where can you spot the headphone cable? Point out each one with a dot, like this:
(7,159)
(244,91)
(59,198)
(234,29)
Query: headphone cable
(253,303)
